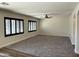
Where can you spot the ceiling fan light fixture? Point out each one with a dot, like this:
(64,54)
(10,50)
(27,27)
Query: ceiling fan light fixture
(46,16)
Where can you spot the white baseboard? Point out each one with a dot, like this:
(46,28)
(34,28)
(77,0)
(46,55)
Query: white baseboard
(55,35)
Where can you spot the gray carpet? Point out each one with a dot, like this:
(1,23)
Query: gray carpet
(46,46)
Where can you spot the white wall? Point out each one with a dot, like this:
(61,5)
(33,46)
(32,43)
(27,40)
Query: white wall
(57,25)
(72,28)
(75,28)
(4,41)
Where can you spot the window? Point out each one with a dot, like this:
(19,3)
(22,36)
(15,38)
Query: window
(32,26)
(13,26)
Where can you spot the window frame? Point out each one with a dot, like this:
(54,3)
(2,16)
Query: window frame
(11,34)
(30,26)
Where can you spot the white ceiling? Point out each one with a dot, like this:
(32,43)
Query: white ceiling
(39,9)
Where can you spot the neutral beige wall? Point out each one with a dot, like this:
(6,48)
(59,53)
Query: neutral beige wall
(57,25)
(4,41)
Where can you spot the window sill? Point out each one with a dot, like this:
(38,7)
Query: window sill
(32,31)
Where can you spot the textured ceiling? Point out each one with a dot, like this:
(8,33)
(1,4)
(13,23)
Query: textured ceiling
(39,9)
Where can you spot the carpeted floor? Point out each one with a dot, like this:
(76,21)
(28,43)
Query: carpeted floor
(46,46)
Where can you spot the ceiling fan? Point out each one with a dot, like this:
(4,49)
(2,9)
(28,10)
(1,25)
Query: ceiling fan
(46,16)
